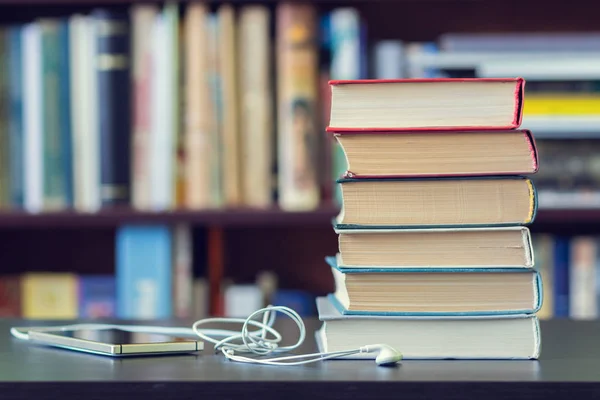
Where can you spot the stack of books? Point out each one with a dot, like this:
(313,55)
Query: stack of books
(435,257)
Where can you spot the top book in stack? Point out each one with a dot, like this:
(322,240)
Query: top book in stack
(426,104)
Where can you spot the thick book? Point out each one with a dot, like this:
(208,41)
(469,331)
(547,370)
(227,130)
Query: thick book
(200,154)
(426,104)
(504,247)
(14,68)
(449,153)
(56,117)
(256,111)
(113,60)
(143,17)
(97,296)
(297,92)
(230,133)
(482,337)
(430,291)
(143,272)
(10,296)
(49,295)
(4,121)
(436,202)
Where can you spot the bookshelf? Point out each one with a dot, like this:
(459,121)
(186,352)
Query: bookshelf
(236,243)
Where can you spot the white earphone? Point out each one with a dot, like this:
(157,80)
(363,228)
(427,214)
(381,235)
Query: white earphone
(255,342)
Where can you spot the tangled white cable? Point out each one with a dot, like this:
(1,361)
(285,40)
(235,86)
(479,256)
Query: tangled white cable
(256,341)
(231,343)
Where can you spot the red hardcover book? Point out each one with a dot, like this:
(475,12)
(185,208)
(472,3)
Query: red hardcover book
(10,296)
(376,105)
(434,154)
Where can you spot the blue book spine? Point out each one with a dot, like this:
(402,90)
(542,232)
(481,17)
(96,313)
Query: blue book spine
(561,277)
(65,111)
(114,99)
(143,272)
(431,47)
(364,51)
(301,302)
(97,297)
(15,135)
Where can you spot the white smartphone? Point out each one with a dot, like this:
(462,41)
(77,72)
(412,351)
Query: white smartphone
(114,342)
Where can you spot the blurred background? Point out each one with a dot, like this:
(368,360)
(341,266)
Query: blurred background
(169,160)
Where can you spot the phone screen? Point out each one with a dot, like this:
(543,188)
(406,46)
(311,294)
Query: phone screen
(117,336)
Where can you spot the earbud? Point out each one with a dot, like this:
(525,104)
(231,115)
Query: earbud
(387,355)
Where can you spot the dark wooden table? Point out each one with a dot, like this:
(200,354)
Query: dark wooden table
(568,368)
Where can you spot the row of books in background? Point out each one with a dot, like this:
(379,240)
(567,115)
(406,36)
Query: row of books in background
(570,270)
(182,106)
(156,277)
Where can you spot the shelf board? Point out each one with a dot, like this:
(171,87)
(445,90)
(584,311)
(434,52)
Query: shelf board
(579,216)
(231,218)
(115,217)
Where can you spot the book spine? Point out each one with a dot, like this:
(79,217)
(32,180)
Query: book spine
(256,112)
(65,112)
(15,66)
(561,277)
(183,276)
(172,13)
(32,118)
(198,111)
(96,295)
(4,144)
(215,153)
(582,278)
(143,272)
(85,152)
(231,139)
(53,103)
(112,70)
(10,296)
(50,121)
(142,20)
(297,89)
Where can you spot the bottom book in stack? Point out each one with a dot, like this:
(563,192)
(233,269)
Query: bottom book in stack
(515,336)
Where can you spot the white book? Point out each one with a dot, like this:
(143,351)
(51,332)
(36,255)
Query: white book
(582,278)
(143,17)
(389,60)
(509,337)
(32,118)
(242,300)
(84,117)
(161,143)
(183,276)
(256,105)
(345,37)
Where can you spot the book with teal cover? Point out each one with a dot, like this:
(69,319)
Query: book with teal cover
(4,138)
(534,207)
(15,118)
(55,123)
(537,287)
